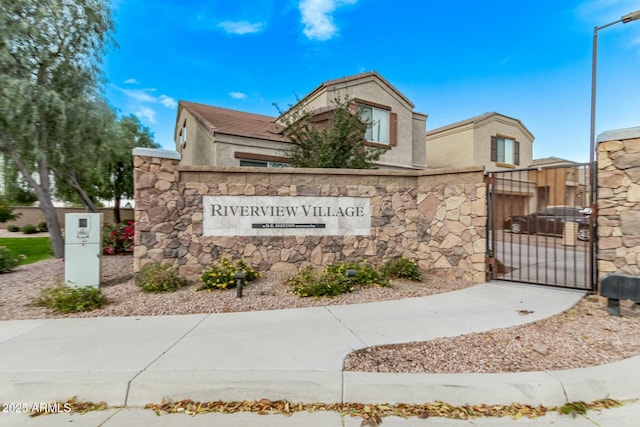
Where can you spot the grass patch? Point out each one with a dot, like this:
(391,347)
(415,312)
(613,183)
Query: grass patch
(34,248)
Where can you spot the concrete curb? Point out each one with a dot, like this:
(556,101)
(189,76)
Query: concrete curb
(236,385)
(618,380)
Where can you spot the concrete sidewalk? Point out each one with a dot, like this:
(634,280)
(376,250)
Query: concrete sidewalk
(292,354)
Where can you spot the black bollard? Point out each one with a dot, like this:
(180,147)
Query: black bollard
(351,274)
(240,276)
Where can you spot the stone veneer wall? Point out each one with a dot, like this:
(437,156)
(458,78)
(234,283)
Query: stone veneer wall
(438,218)
(619,202)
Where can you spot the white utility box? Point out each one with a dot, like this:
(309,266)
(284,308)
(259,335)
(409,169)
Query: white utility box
(83,249)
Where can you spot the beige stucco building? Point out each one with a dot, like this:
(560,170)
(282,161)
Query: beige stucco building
(208,135)
(492,140)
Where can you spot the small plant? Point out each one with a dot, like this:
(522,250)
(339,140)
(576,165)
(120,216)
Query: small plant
(574,408)
(160,278)
(221,275)
(66,299)
(29,229)
(366,274)
(13,228)
(333,281)
(311,283)
(118,238)
(402,268)
(7,261)
(42,226)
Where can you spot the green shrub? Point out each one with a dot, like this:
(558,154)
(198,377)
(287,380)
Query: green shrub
(13,228)
(66,299)
(366,274)
(6,210)
(159,278)
(402,268)
(333,280)
(221,275)
(313,283)
(42,226)
(7,261)
(29,229)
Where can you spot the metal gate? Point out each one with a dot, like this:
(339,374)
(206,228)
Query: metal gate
(541,226)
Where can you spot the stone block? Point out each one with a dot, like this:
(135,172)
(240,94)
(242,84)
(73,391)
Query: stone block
(606,266)
(144,179)
(610,179)
(632,145)
(192,271)
(627,161)
(454,202)
(162,185)
(633,193)
(609,243)
(284,267)
(630,222)
(610,146)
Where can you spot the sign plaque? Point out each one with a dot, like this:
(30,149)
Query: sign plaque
(286,216)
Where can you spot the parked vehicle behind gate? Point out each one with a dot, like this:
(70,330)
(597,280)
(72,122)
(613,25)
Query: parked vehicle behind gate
(551,221)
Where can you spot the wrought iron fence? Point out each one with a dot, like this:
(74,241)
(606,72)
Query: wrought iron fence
(542,226)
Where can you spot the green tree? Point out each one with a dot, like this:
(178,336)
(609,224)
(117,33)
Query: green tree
(116,165)
(90,128)
(16,191)
(49,56)
(6,210)
(336,143)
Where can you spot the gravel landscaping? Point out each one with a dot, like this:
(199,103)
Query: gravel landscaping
(583,336)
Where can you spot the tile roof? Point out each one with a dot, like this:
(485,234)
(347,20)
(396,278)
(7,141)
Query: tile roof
(362,76)
(550,160)
(347,79)
(474,120)
(239,123)
(233,122)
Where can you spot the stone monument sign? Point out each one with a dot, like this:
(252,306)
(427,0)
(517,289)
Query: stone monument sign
(286,216)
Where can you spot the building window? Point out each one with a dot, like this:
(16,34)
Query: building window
(505,150)
(262,164)
(183,135)
(261,160)
(377,121)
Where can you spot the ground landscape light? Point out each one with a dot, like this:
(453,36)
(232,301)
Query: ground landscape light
(239,276)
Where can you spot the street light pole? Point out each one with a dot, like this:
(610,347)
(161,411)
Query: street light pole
(633,16)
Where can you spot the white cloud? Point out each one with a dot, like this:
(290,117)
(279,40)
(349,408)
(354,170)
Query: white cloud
(241,27)
(238,95)
(167,101)
(131,82)
(140,95)
(317,17)
(146,113)
(142,102)
(145,96)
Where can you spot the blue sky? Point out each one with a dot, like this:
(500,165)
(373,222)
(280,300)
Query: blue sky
(530,60)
